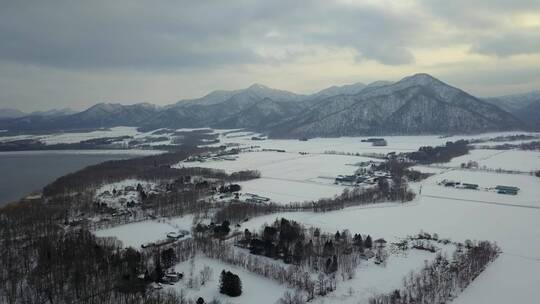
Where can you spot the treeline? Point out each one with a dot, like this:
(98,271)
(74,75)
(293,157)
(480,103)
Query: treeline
(384,191)
(442,280)
(156,166)
(177,198)
(504,138)
(333,257)
(527,146)
(401,169)
(42,262)
(292,243)
(440,154)
(109,143)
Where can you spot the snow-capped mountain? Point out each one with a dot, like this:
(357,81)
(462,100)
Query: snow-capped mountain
(97,116)
(53,112)
(11,113)
(524,106)
(418,104)
(255,91)
(348,89)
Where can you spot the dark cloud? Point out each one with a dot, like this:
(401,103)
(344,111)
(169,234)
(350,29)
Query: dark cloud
(511,43)
(169,34)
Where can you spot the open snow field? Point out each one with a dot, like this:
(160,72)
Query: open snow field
(289,177)
(371,280)
(136,234)
(459,214)
(500,159)
(75,137)
(512,221)
(354,144)
(513,276)
(529,194)
(255,288)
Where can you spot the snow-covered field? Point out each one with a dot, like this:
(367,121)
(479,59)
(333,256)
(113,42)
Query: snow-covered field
(529,194)
(255,288)
(354,144)
(501,159)
(289,177)
(75,137)
(371,280)
(459,214)
(515,229)
(134,152)
(136,234)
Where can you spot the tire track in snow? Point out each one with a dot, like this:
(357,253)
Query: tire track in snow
(483,202)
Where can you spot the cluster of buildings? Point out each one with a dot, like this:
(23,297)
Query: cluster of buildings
(224,155)
(376,142)
(501,189)
(171,237)
(368,178)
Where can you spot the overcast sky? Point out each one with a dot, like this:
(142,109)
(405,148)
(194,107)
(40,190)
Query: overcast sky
(56,54)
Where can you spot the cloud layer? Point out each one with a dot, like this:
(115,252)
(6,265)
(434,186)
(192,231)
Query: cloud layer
(71,53)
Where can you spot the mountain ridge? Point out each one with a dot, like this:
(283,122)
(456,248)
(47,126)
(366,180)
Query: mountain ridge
(416,104)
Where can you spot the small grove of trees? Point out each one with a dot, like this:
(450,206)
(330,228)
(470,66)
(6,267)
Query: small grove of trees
(294,244)
(230,284)
(443,279)
(440,154)
(396,190)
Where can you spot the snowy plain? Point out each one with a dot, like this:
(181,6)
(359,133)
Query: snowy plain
(289,177)
(459,214)
(255,288)
(138,233)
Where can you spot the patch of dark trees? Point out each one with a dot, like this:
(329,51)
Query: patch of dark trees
(400,169)
(41,262)
(230,188)
(230,284)
(440,154)
(195,137)
(292,243)
(91,144)
(155,167)
(528,146)
(442,280)
(504,138)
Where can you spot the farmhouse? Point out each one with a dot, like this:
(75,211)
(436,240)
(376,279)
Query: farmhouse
(470,186)
(379,143)
(346,179)
(257,199)
(507,190)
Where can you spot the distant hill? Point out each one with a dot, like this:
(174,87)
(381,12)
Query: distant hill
(524,106)
(98,116)
(418,104)
(11,113)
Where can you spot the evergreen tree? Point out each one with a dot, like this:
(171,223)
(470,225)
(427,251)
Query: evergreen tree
(368,243)
(298,254)
(230,284)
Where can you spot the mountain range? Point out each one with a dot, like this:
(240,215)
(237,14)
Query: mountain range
(417,104)
(524,106)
